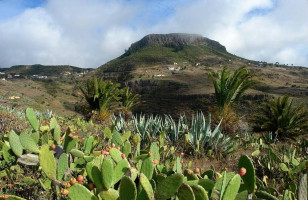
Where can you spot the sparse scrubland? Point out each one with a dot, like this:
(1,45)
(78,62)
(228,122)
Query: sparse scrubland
(116,154)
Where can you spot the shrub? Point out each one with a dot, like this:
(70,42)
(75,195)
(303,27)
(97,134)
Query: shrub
(282,118)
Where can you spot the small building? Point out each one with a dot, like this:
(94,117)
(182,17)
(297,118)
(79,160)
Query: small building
(171,68)
(159,75)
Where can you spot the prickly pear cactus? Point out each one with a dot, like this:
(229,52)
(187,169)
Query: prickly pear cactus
(15,143)
(232,188)
(80,192)
(147,187)
(88,144)
(77,153)
(126,135)
(116,154)
(169,186)
(28,143)
(249,178)
(177,167)
(48,162)
(127,189)
(147,167)
(199,192)
(190,175)
(56,134)
(68,142)
(155,151)
(30,115)
(62,166)
(94,174)
(116,138)
(127,149)
(107,173)
(185,192)
(120,170)
(110,194)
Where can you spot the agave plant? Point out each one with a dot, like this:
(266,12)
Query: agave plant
(201,135)
(229,87)
(147,127)
(173,129)
(282,118)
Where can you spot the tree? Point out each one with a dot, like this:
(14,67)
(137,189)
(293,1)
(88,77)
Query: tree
(101,95)
(229,87)
(282,118)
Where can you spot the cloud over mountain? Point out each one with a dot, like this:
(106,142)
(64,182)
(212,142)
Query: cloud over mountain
(89,33)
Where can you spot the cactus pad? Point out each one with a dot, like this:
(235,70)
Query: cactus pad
(94,174)
(169,186)
(30,115)
(249,178)
(80,192)
(147,167)
(62,166)
(185,192)
(48,162)
(120,170)
(88,144)
(147,187)
(107,173)
(15,143)
(232,188)
(110,194)
(128,190)
(28,143)
(115,154)
(199,192)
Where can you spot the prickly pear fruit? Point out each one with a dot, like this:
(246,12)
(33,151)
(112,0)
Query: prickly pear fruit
(112,145)
(80,179)
(242,171)
(52,147)
(123,155)
(67,185)
(150,154)
(64,192)
(91,186)
(155,161)
(196,170)
(73,181)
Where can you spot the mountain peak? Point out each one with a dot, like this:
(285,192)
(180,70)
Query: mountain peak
(174,40)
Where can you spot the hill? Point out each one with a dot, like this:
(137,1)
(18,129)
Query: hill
(166,49)
(171,72)
(46,70)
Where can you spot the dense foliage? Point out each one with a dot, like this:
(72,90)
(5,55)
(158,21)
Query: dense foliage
(229,86)
(282,118)
(49,162)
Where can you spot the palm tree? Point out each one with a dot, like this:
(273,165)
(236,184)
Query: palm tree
(282,118)
(229,87)
(100,94)
(128,98)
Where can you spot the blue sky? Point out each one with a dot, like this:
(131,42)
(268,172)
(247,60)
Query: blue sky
(11,8)
(88,33)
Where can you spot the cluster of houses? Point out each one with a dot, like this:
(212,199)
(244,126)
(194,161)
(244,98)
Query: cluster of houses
(4,76)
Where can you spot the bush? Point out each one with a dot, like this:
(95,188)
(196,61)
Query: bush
(282,118)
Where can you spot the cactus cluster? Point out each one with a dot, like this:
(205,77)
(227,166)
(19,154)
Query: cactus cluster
(116,168)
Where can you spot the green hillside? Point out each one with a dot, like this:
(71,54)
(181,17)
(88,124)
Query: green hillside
(48,70)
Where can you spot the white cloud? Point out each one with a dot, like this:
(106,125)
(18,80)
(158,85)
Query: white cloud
(89,33)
